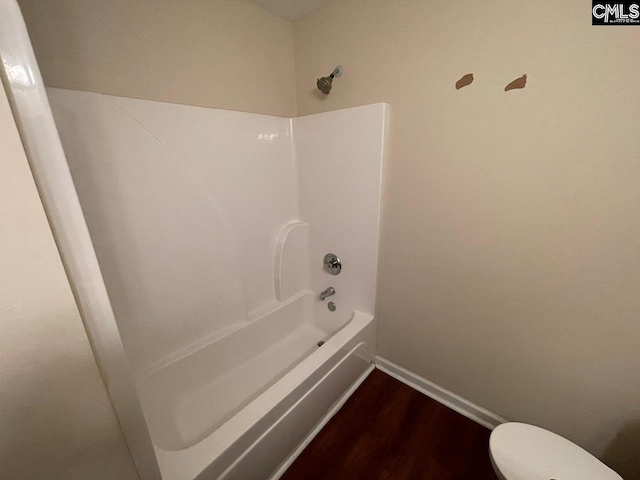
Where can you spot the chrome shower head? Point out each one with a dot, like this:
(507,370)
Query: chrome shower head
(324,83)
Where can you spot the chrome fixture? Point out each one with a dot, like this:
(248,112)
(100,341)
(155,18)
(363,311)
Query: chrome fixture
(331,306)
(332,263)
(324,83)
(327,293)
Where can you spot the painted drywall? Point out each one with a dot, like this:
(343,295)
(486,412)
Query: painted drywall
(227,54)
(510,266)
(55,415)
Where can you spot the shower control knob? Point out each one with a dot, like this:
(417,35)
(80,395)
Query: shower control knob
(332,264)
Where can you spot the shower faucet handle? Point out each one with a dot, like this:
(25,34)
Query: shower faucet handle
(332,263)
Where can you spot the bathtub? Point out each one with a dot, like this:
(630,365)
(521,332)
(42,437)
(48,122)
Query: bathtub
(239,407)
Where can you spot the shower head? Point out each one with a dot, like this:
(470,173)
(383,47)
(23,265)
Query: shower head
(324,83)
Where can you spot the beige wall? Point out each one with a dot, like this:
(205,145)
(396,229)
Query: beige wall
(55,417)
(216,53)
(510,267)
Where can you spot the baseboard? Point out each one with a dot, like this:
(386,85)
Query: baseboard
(330,414)
(455,402)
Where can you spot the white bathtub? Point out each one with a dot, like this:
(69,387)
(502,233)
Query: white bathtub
(239,407)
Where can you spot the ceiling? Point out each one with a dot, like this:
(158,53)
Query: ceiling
(290,9)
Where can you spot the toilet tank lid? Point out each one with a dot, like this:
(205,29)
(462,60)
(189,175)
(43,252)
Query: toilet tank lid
(524,452)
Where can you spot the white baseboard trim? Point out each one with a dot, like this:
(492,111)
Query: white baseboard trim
(455,402)
(330,414)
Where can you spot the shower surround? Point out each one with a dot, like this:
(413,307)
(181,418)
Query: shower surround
(210,228)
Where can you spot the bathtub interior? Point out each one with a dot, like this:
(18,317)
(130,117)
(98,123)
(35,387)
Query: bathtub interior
(210,227)
(190,398)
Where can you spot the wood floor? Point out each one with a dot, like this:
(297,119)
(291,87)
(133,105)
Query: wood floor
(387,431)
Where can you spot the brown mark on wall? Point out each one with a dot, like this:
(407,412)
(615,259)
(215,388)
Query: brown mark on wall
(464,81)
(517,83)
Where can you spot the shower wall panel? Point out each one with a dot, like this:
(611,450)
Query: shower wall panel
(205,219)
(339,157)
(185,206)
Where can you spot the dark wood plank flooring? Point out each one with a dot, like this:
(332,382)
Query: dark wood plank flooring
(387,431)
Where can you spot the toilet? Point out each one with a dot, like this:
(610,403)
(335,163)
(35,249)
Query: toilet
(524,452)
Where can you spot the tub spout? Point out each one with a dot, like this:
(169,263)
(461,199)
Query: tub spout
(327,293)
